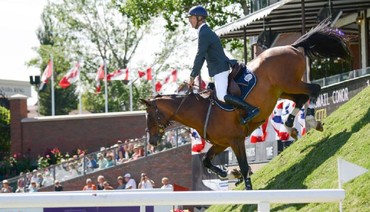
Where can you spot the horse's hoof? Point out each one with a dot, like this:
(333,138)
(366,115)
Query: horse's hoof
(294,133)
(319,126)
(248,184)
(223,175)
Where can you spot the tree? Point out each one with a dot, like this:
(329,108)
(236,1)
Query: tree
(90,31)
(4,132)
(220,13)
(174,11)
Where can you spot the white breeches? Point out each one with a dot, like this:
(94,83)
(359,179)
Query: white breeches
(221,85)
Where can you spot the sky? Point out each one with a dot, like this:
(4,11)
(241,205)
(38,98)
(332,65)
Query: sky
(19,20)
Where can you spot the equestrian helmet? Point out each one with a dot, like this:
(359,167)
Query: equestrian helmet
(197,11)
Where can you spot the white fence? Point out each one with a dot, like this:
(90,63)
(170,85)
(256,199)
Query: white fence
(100,199)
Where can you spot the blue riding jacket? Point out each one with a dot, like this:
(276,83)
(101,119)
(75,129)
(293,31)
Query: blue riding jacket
(211,50)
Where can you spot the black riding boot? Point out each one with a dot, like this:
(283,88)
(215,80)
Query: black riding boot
(239,103)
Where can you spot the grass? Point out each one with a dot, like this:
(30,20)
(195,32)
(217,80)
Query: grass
(311,162)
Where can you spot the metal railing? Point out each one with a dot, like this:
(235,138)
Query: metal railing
(326,81)
(78,166)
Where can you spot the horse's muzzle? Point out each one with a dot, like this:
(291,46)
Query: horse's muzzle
(154,140)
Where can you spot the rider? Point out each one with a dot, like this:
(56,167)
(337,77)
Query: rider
(211,50)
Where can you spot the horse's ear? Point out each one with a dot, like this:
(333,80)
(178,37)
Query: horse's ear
(145,102)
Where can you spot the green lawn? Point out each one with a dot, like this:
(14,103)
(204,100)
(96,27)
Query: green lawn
(311,162)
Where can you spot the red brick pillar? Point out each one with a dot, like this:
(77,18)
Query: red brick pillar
(18,111)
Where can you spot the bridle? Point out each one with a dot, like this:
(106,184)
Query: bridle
(159,119)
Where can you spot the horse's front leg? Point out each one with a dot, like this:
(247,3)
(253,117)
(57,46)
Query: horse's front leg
(207,160)
(239,150)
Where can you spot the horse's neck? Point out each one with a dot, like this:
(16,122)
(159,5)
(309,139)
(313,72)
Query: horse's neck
(186,110)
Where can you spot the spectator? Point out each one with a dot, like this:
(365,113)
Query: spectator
(166,183)
(34,177)
(121,183)
(130,149)
(58,186)
(28,180)
(6,187)
(130,183)
(145,182)
(91,163)
(40,180)
(110,161)
(101,180)
(107,186)
(137,152)
(33,187)
(20,186)
(121,153)
(89,185)
(102,162)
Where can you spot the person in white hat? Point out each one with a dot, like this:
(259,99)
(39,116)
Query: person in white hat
(130,183)
(6,187)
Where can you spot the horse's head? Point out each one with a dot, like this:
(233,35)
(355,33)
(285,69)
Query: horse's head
(156,122)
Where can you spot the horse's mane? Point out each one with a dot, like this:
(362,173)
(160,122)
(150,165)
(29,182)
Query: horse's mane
(175,96)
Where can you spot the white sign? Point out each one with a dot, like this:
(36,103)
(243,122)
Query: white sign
(12,87)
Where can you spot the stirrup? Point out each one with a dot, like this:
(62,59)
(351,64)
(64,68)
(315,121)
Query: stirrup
(250,115)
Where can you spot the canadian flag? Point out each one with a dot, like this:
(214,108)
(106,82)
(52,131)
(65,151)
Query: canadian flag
(46,75)
(71,76)
(158,86)
(148,74)
(99,76)
(118,75)
(171,77)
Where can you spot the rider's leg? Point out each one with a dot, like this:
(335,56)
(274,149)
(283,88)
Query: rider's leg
(221,85)
(221,92)
(239,103)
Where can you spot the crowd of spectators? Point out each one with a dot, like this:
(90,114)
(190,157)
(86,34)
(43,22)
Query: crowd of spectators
(81,164)
(125,182)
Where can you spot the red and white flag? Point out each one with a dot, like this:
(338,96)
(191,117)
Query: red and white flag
(158,86)
(171,78)
(148,74)
(46,74)
(259,134)
(118,75)
(99,76)
(71,77)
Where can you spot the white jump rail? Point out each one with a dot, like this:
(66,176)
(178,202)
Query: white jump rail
(100,199)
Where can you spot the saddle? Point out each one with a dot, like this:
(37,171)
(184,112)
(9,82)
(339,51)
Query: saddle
(233,88)
(240,82)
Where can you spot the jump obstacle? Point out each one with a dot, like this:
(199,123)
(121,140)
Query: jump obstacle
(263,198)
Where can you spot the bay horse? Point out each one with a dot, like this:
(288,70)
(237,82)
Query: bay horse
(278,70)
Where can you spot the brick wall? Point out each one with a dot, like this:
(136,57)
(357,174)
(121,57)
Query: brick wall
(18,104)
(174,164)
(34,136)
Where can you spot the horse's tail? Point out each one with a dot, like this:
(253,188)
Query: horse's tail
(323,41)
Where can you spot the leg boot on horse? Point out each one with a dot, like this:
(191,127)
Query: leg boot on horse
(239,103)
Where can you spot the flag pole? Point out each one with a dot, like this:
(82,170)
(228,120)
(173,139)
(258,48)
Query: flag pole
(106,88)
(52,87)
(79,91)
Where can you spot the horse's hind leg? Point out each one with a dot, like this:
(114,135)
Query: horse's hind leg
(239,150)
(207,160)
(300,100)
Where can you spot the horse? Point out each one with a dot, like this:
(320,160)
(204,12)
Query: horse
(279,72)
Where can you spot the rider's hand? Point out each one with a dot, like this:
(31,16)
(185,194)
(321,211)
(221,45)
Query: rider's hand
(191,82)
